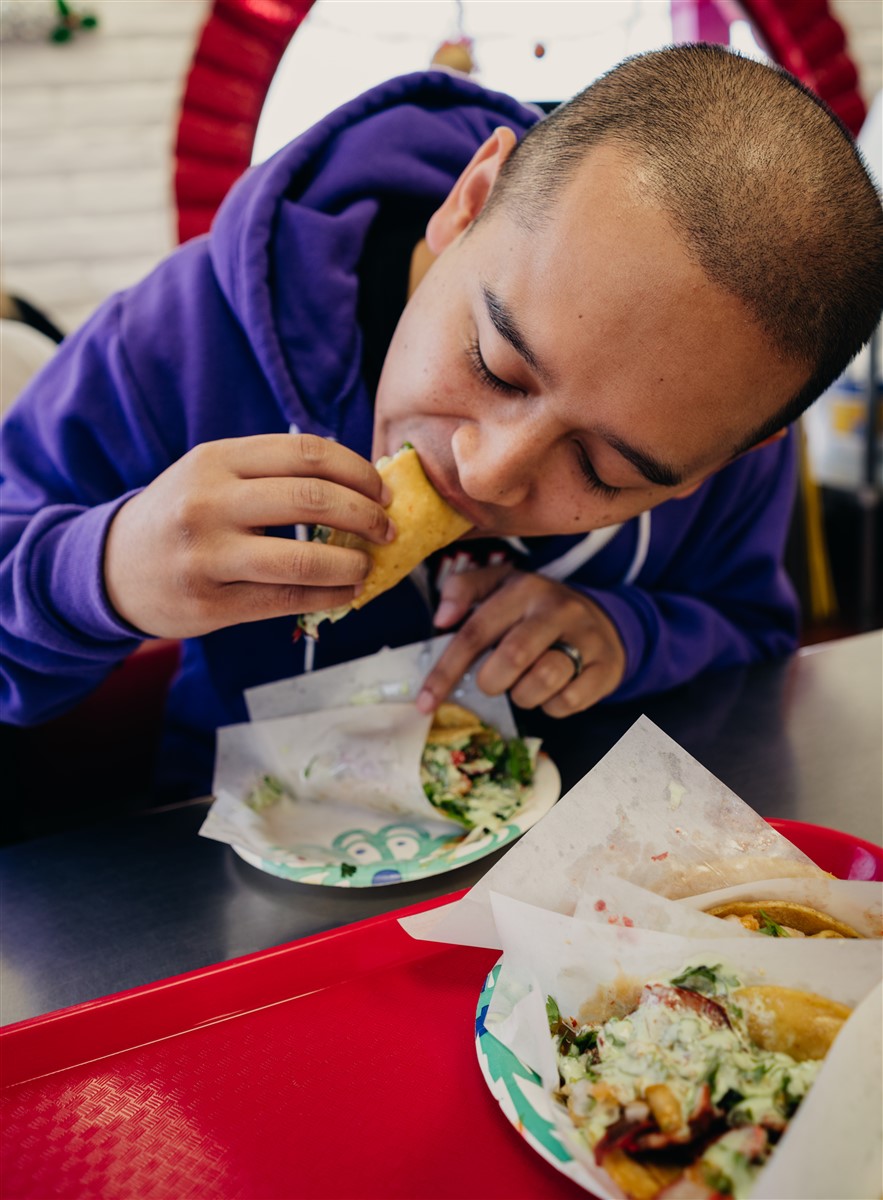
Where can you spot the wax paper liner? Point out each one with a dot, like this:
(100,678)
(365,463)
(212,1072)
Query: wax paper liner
(832,1149)
(349,737)
(648,813)
(610,900)
(356,758)
(389,676)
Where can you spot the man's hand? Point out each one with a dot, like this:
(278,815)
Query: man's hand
(189,554)
(522,615)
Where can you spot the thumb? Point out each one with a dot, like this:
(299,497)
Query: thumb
(461,592)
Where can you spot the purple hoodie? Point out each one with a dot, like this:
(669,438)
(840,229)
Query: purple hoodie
(253,330)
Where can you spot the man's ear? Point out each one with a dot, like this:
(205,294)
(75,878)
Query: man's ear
(683,493)
(469,194)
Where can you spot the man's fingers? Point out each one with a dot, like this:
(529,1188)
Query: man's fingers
(252,558)
(522,616)
(265,503)
(526,641)
(244,602)
(482,630)
(462,591)
(551,685)
(548,675)
(280,454)
(597,680)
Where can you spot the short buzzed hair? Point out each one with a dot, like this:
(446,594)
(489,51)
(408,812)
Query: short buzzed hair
(761,181)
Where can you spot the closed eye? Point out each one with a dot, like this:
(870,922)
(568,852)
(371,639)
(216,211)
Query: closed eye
(591,476)
(486,375)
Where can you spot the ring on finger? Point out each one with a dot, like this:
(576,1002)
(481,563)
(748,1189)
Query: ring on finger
(572,653)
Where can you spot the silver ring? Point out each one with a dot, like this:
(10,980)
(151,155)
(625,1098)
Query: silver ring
(572,653)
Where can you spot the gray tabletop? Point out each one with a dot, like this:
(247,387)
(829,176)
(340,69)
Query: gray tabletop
(98,910)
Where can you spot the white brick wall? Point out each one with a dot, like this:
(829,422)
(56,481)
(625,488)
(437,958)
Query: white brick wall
(863,22)
(88,130)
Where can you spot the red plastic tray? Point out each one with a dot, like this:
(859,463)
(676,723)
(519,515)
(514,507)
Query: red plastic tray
(342,1065)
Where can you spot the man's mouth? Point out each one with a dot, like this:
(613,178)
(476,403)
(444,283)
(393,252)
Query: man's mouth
(451,492)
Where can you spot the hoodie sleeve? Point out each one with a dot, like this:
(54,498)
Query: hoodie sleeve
(76,445)
(716,594)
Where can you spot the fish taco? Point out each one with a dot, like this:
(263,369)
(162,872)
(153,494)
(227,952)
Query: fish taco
(685,1093)
(783,918)
(471,773)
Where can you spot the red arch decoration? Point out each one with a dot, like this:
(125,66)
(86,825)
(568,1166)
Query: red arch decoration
(236,58)
(242,42)
(805,38)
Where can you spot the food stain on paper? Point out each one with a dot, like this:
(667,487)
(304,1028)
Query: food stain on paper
(676,793)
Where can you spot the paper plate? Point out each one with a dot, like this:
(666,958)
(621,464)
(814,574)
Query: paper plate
(519,1092)
(518,1089)
(381,850)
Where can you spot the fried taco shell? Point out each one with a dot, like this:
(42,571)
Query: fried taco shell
(783,918)
(640,1180)
(452,722)
(424,521)
(801,1024)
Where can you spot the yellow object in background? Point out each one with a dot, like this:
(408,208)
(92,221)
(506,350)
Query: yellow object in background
(821,599)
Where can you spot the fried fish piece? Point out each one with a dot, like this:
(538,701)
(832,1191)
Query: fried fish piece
(640,1180)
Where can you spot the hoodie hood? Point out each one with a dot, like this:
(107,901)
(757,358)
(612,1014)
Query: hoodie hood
(286,243)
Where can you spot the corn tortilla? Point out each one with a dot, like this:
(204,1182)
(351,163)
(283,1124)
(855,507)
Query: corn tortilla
(425,523)
(802,917)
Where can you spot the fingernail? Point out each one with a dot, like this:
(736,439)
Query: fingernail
(385,496)
(426,702)
(446,613)
(391,531)
(358,589)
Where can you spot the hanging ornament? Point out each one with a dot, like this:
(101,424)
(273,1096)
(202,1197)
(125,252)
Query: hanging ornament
(69,22)
(42,20)
(456,56)
(539,50)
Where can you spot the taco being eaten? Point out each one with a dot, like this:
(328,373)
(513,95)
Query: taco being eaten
(424,521)
(471,773)
(685,1095)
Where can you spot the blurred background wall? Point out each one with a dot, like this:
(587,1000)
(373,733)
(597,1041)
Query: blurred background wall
(88,126)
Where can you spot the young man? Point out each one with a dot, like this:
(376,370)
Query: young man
(621,315)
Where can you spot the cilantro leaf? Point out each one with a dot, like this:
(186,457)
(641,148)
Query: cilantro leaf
(553,1014)
(704,980)
(770,927)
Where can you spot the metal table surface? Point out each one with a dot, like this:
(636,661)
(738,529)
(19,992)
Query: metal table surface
(101,909)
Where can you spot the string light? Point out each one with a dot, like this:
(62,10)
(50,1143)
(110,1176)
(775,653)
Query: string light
(623,17)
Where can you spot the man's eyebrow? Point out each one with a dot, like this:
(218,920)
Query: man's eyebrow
(507,327)
(652,468)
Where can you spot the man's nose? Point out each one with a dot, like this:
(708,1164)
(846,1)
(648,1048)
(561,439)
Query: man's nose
(496,462)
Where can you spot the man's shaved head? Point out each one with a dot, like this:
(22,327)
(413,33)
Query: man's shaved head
(758,178)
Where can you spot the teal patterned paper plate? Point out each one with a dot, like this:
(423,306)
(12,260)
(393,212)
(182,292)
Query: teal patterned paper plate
(519,1092)
(383,850)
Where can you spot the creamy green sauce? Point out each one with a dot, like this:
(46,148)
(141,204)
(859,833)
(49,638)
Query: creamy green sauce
(479,780)
(687,1051)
